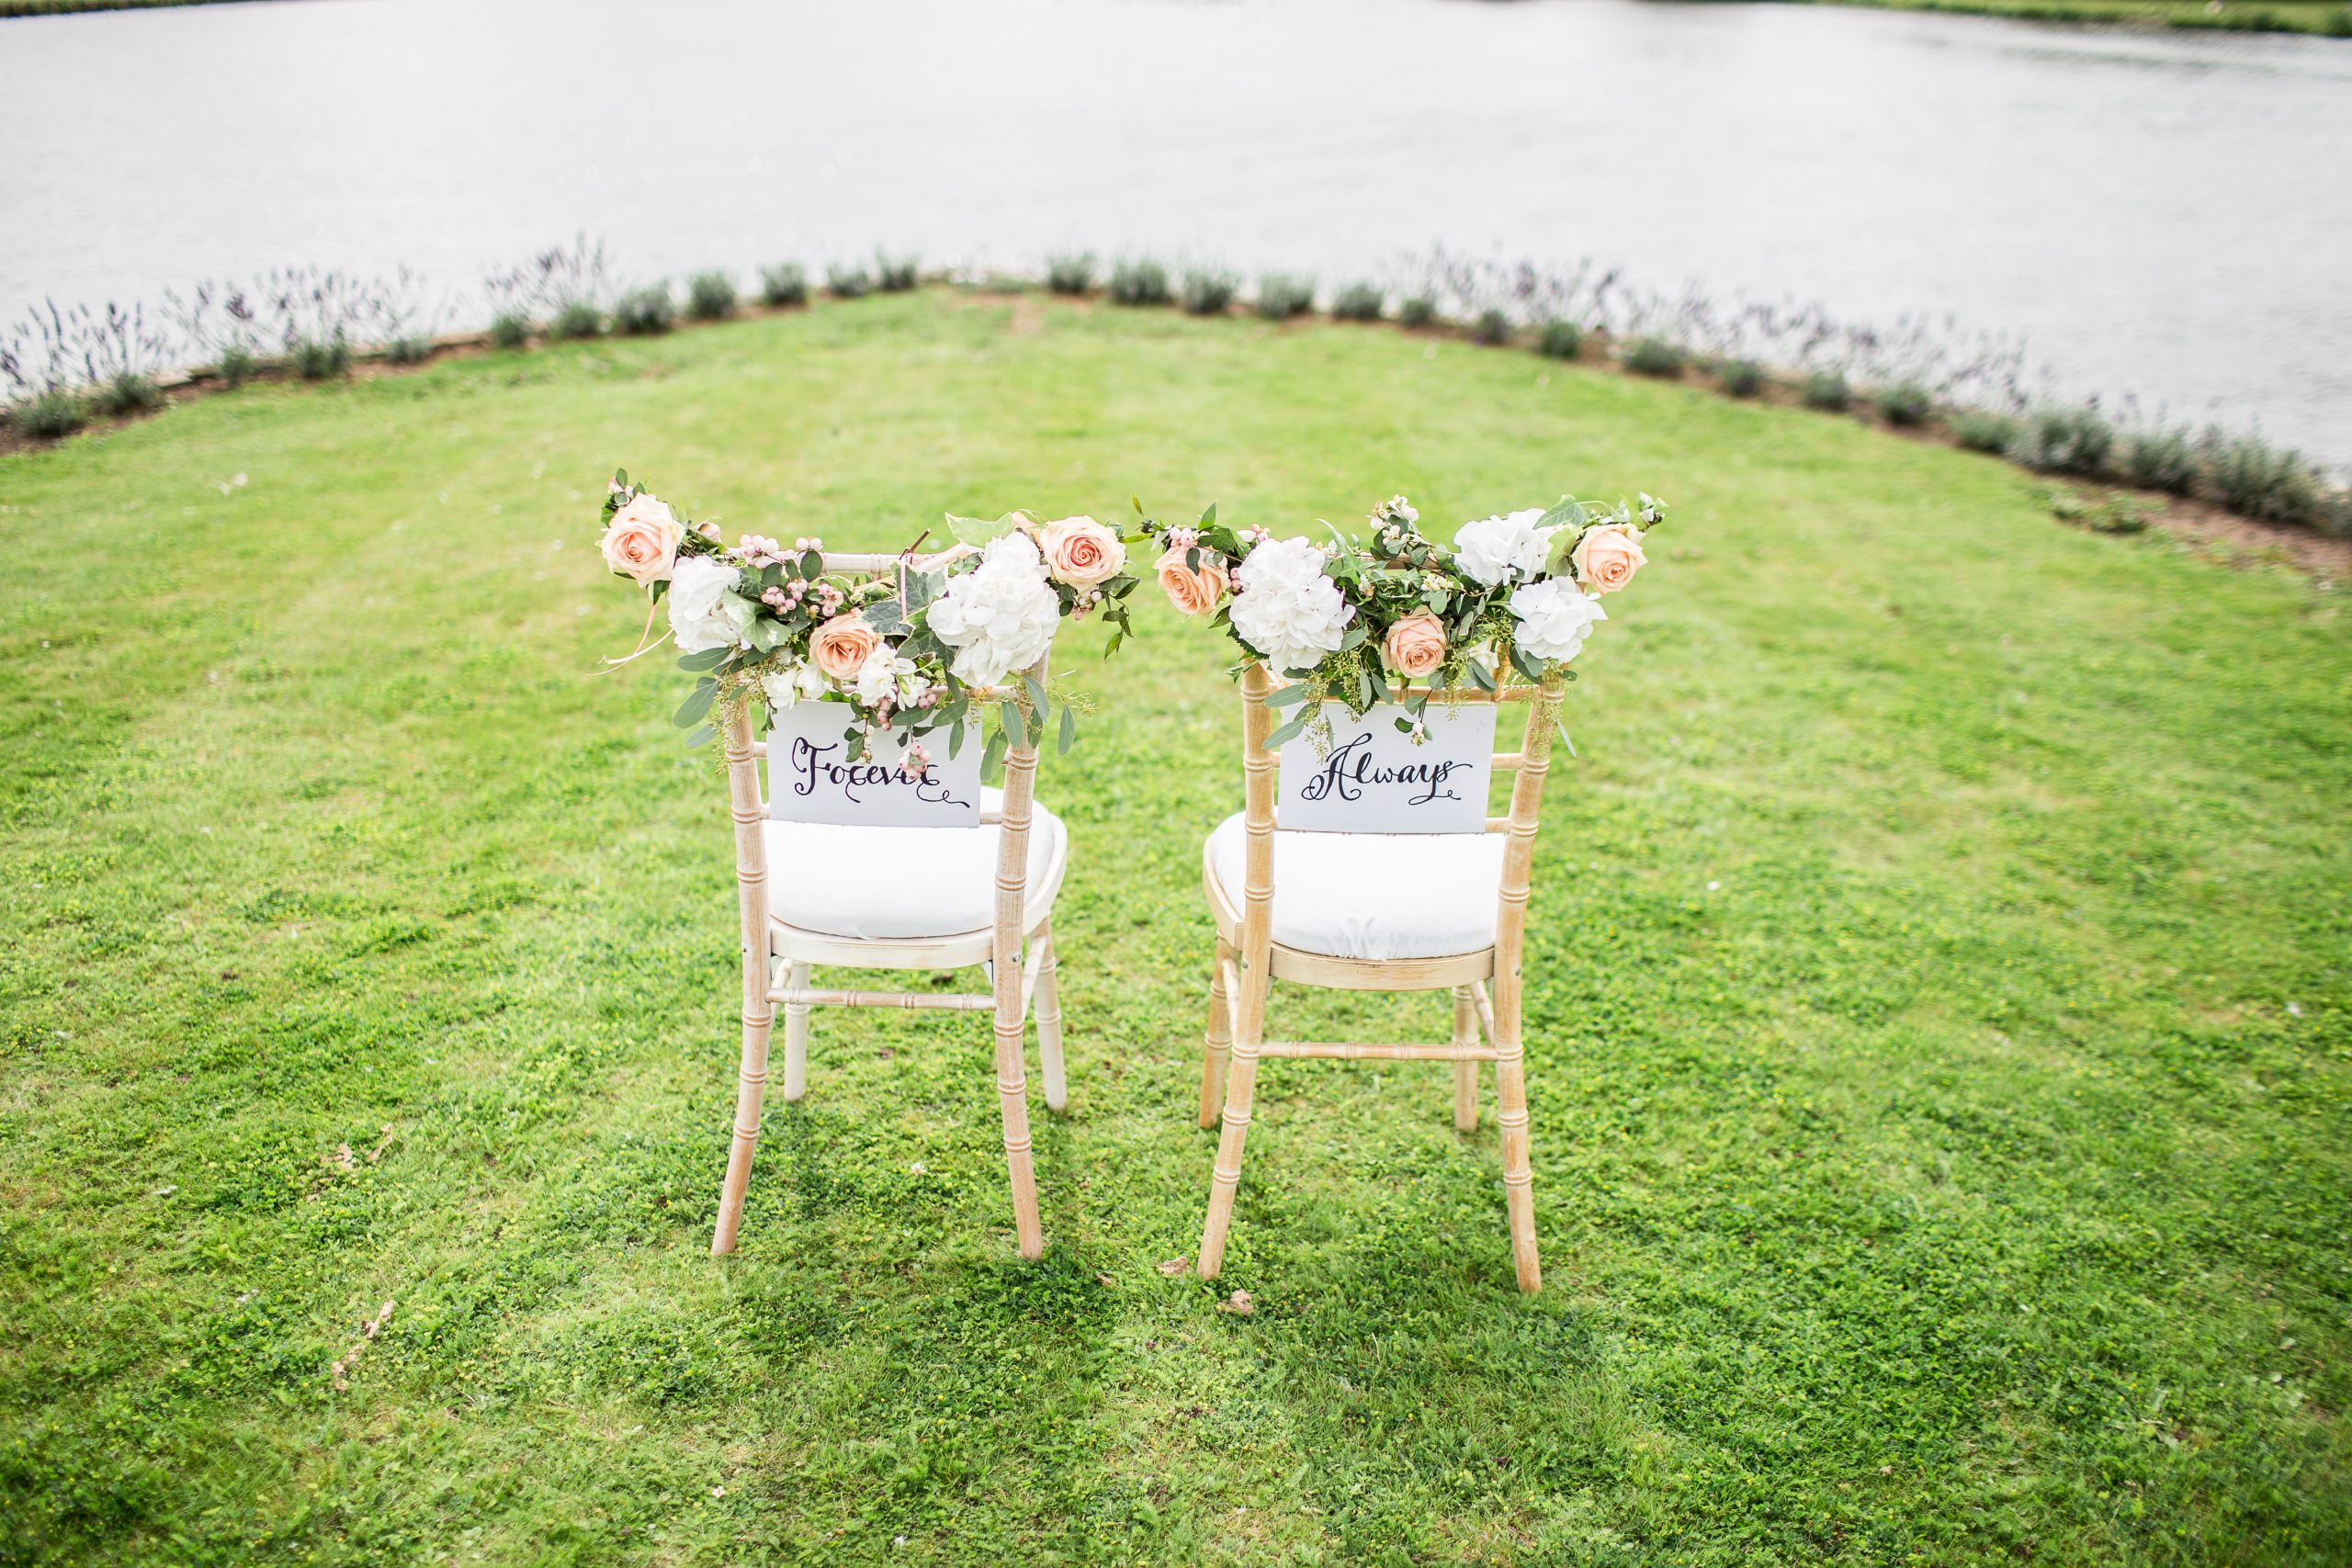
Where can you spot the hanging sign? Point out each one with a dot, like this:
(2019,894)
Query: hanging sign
(1374,778)
(815,776)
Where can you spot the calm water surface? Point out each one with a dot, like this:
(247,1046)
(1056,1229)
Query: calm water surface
(2163,214)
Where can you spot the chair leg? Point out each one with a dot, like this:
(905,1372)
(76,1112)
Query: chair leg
(1012,1100)
(1518,1183)
(1049,1022)
(796,1037)
(1240,1087)
(752,1082)
(1219,1044)
(1465,1074)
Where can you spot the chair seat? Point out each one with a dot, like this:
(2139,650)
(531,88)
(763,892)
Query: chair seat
(901,883)
(1372,896)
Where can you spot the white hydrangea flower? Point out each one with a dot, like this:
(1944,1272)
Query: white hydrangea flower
(700,617)
(1555,617)
(1496,550)
(1285,607)
(1001,615)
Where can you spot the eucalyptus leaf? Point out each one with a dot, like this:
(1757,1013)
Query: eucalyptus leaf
(1283,697)
(1008,714)
(1289,732)
(1037,698)
(992,758)
(701,736)
(1068,737)
(708,658)
(697,704)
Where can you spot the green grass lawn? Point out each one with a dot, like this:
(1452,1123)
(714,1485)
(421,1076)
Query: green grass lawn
(1940,1043)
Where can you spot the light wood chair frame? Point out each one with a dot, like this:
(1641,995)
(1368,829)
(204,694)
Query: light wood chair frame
(778,958)
(1486,1023)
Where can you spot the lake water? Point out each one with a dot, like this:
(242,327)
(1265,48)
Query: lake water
(2158,213)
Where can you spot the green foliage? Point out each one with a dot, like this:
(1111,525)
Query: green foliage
(1654,356)
(2062,439)
(48,416)
(1207,292)
(510,329)
(409,348)
(320,359)
(1904,404)
(1416,310)
(783,284)
(1492,328)
(1948,1185)
(1559,339)
(578,319)
(127,394)
(895,274)
(1283,295)
(645,313)
(236,366)
(1742,377)
(2115,513)
(1984,430)
(710,296)
(2269,483)
(1138,282)
(1826,391)
(849,282)
(1071,272)
(2159,459)
(1359,302)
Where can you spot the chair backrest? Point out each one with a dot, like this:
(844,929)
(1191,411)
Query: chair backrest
(744,753)
(1528,765)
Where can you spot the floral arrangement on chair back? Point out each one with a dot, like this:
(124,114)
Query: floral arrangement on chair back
(1404,616)
(910,649)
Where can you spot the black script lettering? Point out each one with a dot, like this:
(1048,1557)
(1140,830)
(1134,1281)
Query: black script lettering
(1350,768)
(809,767)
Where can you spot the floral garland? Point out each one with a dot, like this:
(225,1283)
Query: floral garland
(1345,621)
(910,651)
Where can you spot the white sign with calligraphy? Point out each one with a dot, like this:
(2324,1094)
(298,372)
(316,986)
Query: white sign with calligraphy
(1375,779)
(814,775)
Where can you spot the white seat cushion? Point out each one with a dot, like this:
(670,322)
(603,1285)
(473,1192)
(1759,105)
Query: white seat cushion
(1373,895)
(876,883)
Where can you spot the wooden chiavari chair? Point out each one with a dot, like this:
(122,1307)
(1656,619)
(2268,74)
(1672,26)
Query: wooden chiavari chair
(814,894)
(1374,912)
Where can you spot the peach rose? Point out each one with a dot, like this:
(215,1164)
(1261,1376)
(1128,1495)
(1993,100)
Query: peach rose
(1607,557)
(1415,646)
(641,542)
(840,647)
(1193,589)
(1081,552)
